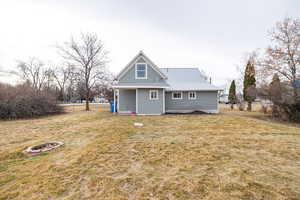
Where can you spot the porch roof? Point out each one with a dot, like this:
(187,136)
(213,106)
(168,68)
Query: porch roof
(141,85)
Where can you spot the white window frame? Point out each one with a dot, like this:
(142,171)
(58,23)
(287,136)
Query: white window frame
(177,98)
(193,97)
(156,91)
(146,69)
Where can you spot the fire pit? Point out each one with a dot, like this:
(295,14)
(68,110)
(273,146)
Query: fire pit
(43,147)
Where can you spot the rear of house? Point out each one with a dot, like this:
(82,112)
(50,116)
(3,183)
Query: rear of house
(143,88)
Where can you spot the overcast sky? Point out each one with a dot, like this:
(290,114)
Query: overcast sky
(212,35)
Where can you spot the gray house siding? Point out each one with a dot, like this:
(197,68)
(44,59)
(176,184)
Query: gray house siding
(152,75)
(134,93)
(147,106)
(127,100)
(205,101)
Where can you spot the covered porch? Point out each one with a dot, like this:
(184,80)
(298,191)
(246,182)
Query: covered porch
(139,101)
(126,99)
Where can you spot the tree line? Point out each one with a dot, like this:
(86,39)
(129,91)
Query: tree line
(274,73)
(81,75)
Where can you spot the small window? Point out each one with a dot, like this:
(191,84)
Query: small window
(192,95)
(177,95)
(153,94)
(141,71)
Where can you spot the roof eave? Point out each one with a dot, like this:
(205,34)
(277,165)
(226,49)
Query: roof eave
(138,86)
(186,90)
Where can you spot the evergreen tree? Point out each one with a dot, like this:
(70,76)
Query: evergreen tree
(249,85)
(232,94)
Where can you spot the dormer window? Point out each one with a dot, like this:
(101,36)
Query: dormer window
(140,71)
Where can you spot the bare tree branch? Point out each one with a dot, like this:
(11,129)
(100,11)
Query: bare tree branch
(283,56)
(89,58)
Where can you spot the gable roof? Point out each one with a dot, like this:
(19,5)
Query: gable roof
(187,79)
(138,56)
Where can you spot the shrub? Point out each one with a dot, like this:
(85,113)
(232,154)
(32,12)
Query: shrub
(241,106)
(276,111)
(290,111)
(24,102)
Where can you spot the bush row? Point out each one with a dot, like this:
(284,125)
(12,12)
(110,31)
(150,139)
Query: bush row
(24,102)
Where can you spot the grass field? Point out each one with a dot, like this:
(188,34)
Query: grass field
(232,155)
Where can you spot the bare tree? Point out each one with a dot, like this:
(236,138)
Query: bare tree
(89,58)
(34,72)
(283,56)
(72,86)
(103,89)
(62,75)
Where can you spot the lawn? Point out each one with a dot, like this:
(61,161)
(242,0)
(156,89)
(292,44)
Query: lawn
(232,155)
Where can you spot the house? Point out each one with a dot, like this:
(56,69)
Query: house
(145,89)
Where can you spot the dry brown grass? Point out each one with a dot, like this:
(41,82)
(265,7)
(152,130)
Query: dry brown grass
(226,156)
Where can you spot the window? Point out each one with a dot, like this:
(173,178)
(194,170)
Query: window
(192,95)
(153,94)
(141,71)
(177,95)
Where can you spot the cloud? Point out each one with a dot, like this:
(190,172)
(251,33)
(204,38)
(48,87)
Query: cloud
(212,35)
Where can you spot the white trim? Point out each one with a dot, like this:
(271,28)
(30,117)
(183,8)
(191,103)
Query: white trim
(177,98)
(194,98)
(156,91)
(164,102)
(136,101)
(146,69)
(139,55)
(139,86)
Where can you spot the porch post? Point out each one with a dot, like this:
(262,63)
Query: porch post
(114,101)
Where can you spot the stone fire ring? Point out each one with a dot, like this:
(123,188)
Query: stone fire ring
(43,147)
